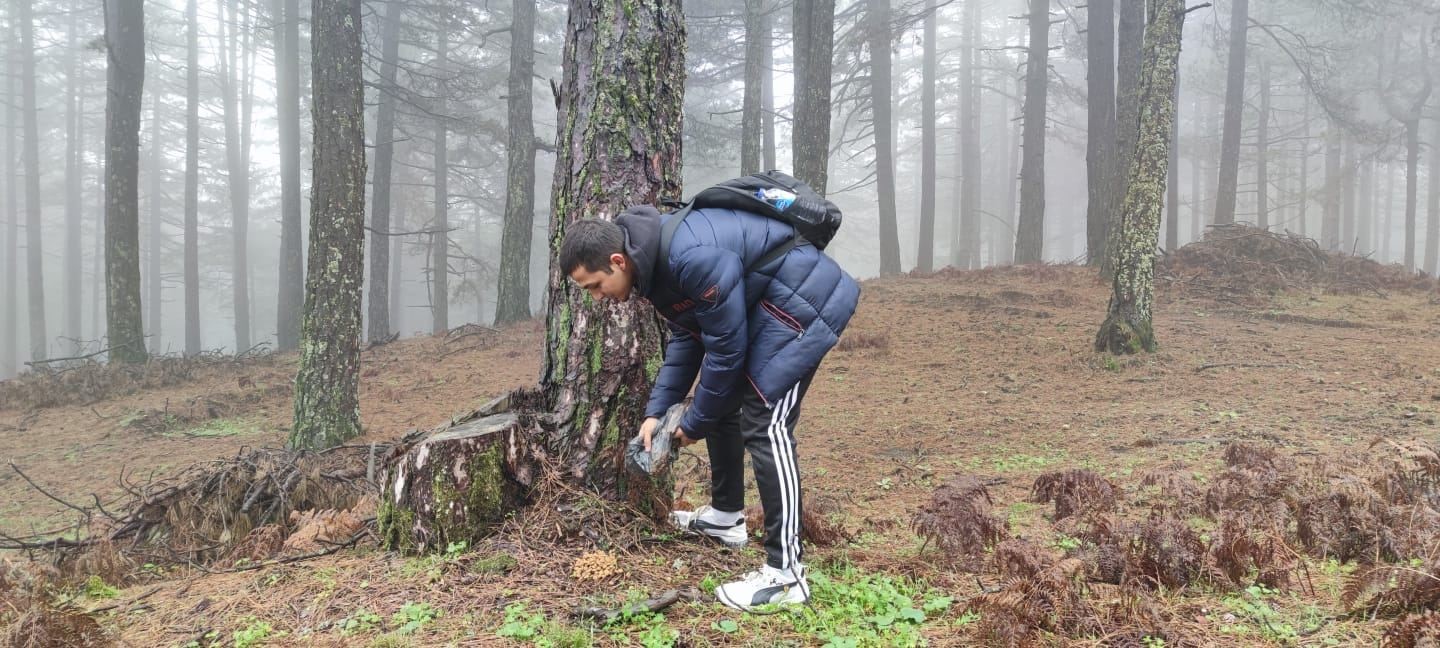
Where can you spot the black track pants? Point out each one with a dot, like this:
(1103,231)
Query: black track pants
(768,434)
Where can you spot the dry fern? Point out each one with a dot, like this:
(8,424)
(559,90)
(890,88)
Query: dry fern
(1075,491)
(958,519)
(1413,631)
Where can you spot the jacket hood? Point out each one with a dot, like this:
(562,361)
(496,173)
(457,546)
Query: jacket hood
(641,224)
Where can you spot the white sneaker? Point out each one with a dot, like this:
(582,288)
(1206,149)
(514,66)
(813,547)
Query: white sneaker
(768,585)
(711,523)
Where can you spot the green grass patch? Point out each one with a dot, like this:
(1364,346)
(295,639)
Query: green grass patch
(218,428)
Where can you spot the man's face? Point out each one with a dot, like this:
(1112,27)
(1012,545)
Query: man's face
(612,283)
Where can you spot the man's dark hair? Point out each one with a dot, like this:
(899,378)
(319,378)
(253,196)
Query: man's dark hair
(590,242)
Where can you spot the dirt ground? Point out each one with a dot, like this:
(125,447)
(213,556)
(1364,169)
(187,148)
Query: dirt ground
(989,374)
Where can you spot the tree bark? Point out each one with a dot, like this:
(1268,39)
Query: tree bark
(327,409)
(1234,110)
(291,290)
(154,251)
(192,180)
(1432,231)
(1012,180)
(1128,328)
(610,153)
(440,225)
(1262,152)
(74,224)
(925,254)
(378,310)
(1197,163)
(1030,235)
(1101,163)
(750,135)
(814,38)
(125,80)
(34,250)
(513,297)
(878,13)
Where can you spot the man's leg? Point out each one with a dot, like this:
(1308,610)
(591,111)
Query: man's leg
(769,434)
(726,447)
(724,518)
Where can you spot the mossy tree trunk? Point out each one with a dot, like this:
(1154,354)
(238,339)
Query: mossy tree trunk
(327,409)
(125,78)
(618,145)
(1128,327)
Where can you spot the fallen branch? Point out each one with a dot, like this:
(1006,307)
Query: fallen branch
(654,604)
(1246,365)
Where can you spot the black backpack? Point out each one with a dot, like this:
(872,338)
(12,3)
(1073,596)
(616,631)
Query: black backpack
(814,218)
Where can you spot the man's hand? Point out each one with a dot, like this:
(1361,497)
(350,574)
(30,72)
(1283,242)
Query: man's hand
(682,439)
(647,429)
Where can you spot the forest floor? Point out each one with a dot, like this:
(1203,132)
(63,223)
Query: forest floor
(988,374)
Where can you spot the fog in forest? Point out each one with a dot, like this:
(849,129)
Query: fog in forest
(1333,134)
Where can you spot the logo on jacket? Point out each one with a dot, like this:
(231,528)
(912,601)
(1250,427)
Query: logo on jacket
(682,306)
(711,294)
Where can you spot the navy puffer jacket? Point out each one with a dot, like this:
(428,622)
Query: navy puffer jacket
(762,330)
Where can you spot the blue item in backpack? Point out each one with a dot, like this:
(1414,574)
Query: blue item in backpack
(780,198)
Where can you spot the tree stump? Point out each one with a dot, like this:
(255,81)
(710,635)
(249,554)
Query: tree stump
(456,484)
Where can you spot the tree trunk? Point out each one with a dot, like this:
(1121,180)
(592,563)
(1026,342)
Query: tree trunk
(1388,251)
(9,356)
(1304,199)
(1127,95)
(34,250)
(594,375)
(925,254)
(327,408)
(291,290)
(1128,328)
(1262,152)
(440,225)
(512,302)
(1347,216)
(881,123)
(1330,221)
(1172,178)
(1432,231)
(233,79)
(1030,235)
(125,79)
(750,136)
(192,180)
(594,382)
(970,171)
(814,27)
(154,253)
(1197,164)
(1101,163)
(1364,216)
(1234,110)
(1412,184)
(1012,181)
(767,90)
(454,485)
(378,310)
(74,224)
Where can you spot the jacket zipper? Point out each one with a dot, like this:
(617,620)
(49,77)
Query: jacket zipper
(784,317)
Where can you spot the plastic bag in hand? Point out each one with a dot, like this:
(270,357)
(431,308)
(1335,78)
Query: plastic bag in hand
(663,448)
